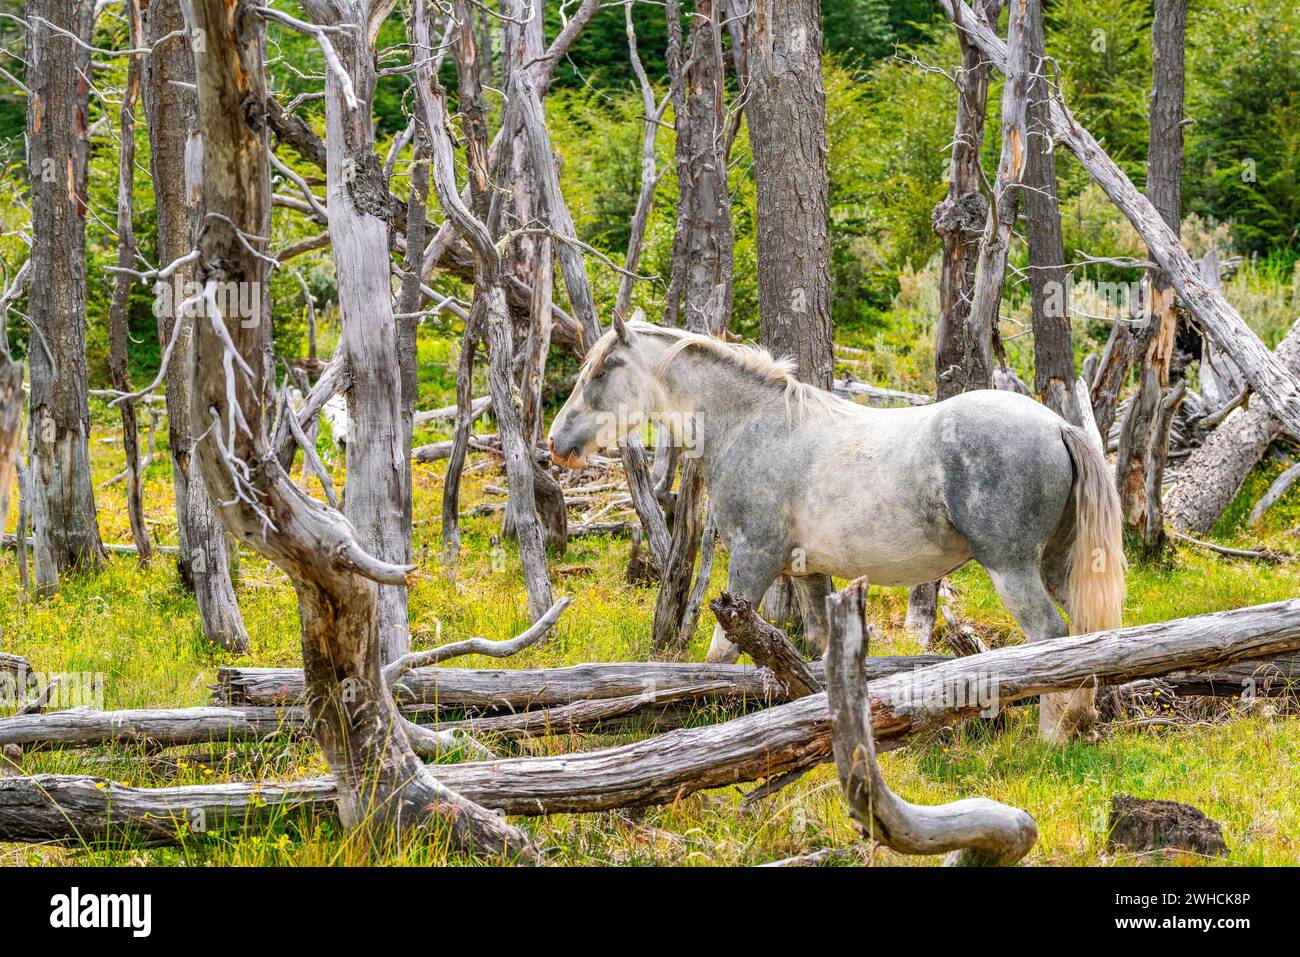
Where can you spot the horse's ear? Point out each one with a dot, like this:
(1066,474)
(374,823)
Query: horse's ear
(638,315)
(621,330)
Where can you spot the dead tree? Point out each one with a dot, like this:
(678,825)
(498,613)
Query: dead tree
(959,220)
(1004,205)
(699,297)
(377,500)
(175,160)
(11,419)
(1154,336)
(1053,343)
(383,786)
(650,172)
(490,311)
(119,307)
(978,831)
(1153,531)
(664,769)
(1213,474)
(1223,324)
(58,81)
(785,108)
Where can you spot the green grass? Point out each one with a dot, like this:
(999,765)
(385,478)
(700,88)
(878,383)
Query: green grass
(139,628)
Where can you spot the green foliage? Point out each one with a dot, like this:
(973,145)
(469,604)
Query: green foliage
(1244,148)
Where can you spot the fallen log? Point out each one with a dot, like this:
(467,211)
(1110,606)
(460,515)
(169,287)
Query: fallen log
(517,689)
(80,727)
(664,769)
(1213,474)
(977,830)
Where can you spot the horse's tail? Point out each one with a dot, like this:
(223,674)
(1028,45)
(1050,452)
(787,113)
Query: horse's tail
(1096,580)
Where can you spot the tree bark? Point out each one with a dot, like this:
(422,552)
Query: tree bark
(119,307)
(58,80)
(786,110)
(1216,317)
(383,787)
(1154,336)
(1053,344)
(774,741)
(203,560)
(1212,475)
(959,220)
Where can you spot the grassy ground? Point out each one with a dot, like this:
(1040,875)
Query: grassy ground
(138,627)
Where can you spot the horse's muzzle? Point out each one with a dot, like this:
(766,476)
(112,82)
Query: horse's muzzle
(572,459)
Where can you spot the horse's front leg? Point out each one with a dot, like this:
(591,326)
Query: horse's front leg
(749,574)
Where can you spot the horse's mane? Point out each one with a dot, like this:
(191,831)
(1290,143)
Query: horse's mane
(757,361)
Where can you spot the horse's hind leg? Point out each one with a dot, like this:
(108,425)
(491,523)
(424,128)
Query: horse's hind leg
(1061,715)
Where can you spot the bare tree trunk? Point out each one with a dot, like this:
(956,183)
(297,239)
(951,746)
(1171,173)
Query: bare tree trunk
(980,832)
(1216,317)
(649,170)
(991,265)
(11,420)
(1212,475)
(489,295)
(1053,345)
(63,501)
(786,112)
(383,786)
(377,499)
(702,248)
(1153,534)
(1155,335)
(119,307)
(959,219)
(175,157)
(408,322)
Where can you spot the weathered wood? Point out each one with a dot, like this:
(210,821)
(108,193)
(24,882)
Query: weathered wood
(1280,486)
(478,646)
(162,727)
(122,283)
(1267,376)
(1004,205)
(58,473)
(979,831)
(766,644)
(518,689)
(666,768)
(1212,475)
(1153,530)
(170,112)
(384,788)
(11,419)
(1050,314)
(959,220)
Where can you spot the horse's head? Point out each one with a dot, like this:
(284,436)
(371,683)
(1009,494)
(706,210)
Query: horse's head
(614,396)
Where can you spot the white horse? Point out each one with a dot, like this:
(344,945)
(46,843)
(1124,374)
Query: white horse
(803,482)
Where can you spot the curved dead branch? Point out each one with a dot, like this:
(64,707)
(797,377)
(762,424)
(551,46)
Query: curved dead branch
(978,830)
